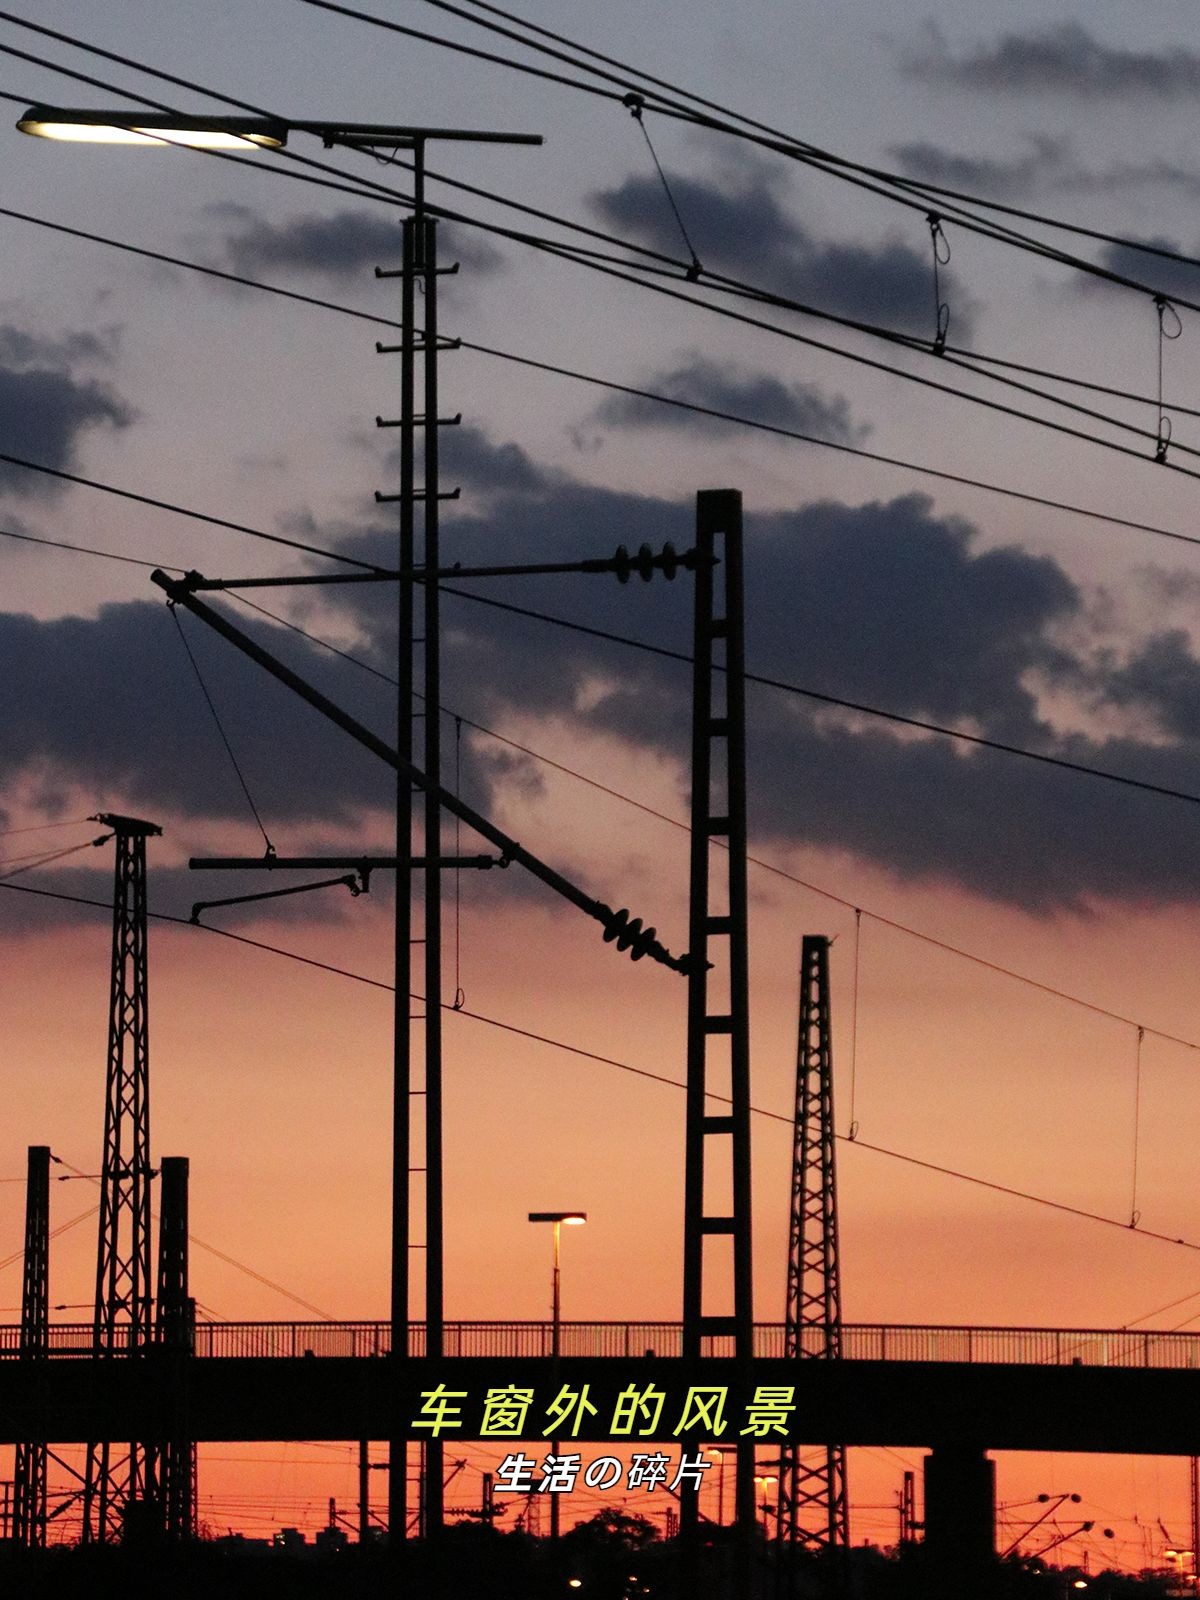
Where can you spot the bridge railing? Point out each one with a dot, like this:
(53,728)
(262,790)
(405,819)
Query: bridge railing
(1090,1347)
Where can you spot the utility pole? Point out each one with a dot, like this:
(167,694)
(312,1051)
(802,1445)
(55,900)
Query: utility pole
(29,1485)
(717,1145)
(176,1337)
(122,1327)
(812,1492)
(419,425)
(908,1508)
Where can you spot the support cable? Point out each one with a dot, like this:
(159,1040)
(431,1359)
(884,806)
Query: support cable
(42,827)
(208,700)
(1171,329)
(852,1133)
(1134,1213)
(642,1072)
(941,256)
(635,104)
(43,859)
(460,998)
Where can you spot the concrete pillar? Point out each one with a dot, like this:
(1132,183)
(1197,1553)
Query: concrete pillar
(960,1521)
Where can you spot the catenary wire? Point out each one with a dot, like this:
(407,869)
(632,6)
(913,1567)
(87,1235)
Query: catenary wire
(612,269)
(611,386)
(166,505)
(638,78)
(43,827)
(824,699)
(912,193)
(640,1072)
(224,737)
(220,1254)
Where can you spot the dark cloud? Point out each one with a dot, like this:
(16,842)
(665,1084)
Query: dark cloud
(1061,59)
(110,705)
(740,226)
(888,603)
(800,406)
(45,408)
(1162,275)
(343,244)
(1050,164)
(1044,163)
(21,348)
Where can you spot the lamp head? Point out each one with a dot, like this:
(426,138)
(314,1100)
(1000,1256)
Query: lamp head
(153,129)
(570,1219)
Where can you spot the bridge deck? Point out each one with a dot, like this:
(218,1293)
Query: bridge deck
(1055,1347)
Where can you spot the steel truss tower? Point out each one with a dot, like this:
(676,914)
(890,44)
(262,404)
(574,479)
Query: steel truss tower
(812,1487)
(175,1335)
(29,1485)
(116,1478)
(717,1150)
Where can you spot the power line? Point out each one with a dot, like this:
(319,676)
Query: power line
(611,269)
(833,700)
(640,1072)
(166,505)
(220,1254)
(799,149)
(44,827)
(612,386)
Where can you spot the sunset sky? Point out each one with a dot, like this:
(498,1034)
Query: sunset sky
(938,601)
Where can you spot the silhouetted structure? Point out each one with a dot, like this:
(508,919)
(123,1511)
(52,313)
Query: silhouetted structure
(29,1477)
(718,1038)
(812,1486)
(175,1468)
(114,1481)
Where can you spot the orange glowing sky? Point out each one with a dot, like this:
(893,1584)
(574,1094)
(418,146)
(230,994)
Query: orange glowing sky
(273,1076)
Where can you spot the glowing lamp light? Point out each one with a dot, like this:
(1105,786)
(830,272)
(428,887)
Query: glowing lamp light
(158,130)
(569,1219)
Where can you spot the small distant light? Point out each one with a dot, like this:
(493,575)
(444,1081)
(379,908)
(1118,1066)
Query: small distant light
(574,1583)
(1079,1584)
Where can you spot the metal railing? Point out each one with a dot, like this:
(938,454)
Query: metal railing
(1089,1347)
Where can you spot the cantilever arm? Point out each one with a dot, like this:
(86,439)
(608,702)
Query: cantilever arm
(619,927)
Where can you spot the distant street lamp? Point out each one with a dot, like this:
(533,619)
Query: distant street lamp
(765,1479)
(718,1454)
(572,1219)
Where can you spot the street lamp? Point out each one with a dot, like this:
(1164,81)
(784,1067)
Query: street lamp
(571,1219)
(134,127)
(765,1479)
(718,1454)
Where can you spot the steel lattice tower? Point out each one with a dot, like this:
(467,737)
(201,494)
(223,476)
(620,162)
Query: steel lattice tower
(122,1326)
(175,1335)
(29,1485)
(812,1487)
